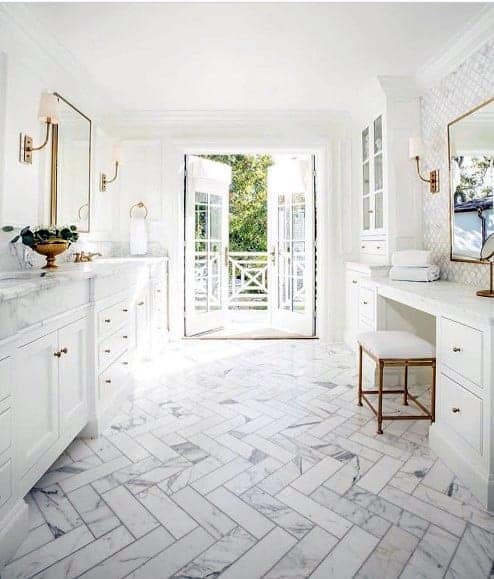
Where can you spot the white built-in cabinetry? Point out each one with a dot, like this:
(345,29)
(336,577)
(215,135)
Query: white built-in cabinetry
(67,356)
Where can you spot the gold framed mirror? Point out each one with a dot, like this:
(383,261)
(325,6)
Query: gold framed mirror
(71,167)
(471,181)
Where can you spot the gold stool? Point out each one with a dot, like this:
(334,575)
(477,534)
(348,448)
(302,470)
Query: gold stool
(402,349)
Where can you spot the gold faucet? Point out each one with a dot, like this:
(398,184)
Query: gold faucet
(82,256)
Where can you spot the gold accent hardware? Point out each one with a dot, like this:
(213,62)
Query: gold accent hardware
(125,310)
(455,410)
(64,350)
(370,210)
(125,363)
(366,303)
(26,145)
(108,381)
(139,205)
(158,291)
(82,257)
(107,351)
(456,349)
(57,354)
(104,181)
(79,216)
(354,281)
(107,321)
(140,303)
(433,179)
(378,247)
(125,337)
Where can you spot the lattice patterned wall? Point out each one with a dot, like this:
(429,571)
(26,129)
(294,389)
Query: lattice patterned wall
(469,85)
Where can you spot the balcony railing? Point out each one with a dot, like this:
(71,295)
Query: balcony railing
(247,280)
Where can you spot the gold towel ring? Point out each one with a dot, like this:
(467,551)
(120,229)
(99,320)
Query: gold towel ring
(139,205)
(80,210)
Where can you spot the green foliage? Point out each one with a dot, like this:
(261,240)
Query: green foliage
(31,236)
(248,200)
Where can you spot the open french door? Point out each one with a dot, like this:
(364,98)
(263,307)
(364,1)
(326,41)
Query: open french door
(291,242)
(206,244)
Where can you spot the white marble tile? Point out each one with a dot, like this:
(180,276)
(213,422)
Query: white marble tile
(432,556)
(390,556)
(282,477)
(37,537)
(380,474)
(90,475)
(83,559)
(132,556)
(174,557)
(156,447)
(261,557)
(128,446)
(133,515)
(302,559)
(94,511)
(205,513)
(130,471)
(219,556)
(319,515)
(348,555)
(221,475)
(47,555)
(316,475)
(243,514)
(253,475)
(271,449)
(474,556)
(167,512)
(349,475)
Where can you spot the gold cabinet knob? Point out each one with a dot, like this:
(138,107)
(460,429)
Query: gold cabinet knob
(456,349)
(365,303)
(107,321)
(57,354)
(125,337)
(64,350)
(455,410)
(108,381)
(140,303)
(107,351)
(125,310)
(354,281)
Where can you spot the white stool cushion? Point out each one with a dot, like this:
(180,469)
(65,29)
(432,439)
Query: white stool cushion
(394,344)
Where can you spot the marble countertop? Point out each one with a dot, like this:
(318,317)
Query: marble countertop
(438,298)
(15,284)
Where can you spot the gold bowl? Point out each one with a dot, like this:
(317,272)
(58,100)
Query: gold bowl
(50,249)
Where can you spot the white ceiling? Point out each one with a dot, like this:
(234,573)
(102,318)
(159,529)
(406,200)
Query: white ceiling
(249,56)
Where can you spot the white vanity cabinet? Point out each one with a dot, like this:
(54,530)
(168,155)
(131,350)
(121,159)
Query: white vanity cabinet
(51,395)
(7,413)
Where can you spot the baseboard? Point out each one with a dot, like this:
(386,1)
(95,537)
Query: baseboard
(14,528)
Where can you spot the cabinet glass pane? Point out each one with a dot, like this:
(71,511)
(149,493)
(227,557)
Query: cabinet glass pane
(378,135)
(366,214)
(365,144)
(378,211)
(378,172)
(365,179)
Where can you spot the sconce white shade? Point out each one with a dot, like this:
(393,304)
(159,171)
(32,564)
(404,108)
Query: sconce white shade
(415,147)
(48,108)
(117,152)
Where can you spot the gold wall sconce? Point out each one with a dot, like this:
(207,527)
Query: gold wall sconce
(415,151)
(48,114)
(104,181)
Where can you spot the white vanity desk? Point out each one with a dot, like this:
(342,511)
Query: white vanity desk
(68,341)
(462,325)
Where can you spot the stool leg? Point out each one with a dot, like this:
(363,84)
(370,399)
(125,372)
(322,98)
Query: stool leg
(405,387)
(380,400)
(433,393)
(360,375)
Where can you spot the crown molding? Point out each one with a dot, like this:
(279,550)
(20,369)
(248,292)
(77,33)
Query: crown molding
(477,32)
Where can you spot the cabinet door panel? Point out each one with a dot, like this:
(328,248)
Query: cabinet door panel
(72,373)
(37,399)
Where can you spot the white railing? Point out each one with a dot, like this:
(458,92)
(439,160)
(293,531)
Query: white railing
(247,280)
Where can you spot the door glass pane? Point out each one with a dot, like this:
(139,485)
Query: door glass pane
(214,279)
(201,217)
(365,144)
(365,179)
(298,216)
(366,214)
(378,210)
(201,277)
(378,135)
(378,172)
(215,219)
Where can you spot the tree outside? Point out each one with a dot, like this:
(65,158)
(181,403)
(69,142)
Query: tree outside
(248,200)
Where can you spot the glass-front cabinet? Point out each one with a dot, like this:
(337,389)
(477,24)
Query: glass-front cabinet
(373,179)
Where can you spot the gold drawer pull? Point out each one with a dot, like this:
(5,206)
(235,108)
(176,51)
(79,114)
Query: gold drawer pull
(125,337)
(456,349)
(107,321)
(64,350)
(455,410)
(366,303)
(108,381)
(57,354)
(125,363)
(140,303)
(158,291)
(107,351)
(354,281)
(125,310)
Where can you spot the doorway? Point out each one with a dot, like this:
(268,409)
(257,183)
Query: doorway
(250,246)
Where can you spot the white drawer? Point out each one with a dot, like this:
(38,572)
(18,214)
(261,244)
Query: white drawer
(112,346)
(367,302)
(6,377)
(5,482)
(461,349)
(373,246)
(5,429)
(111,317)
(114,378)
(461,410)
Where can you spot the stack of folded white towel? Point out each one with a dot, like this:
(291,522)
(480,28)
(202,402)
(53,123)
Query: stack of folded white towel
(413,265)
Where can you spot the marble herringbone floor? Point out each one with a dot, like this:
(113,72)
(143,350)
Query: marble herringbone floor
(246,460)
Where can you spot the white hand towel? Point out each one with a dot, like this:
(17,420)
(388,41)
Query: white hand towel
(411,258)
(430,273)
(138,235)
